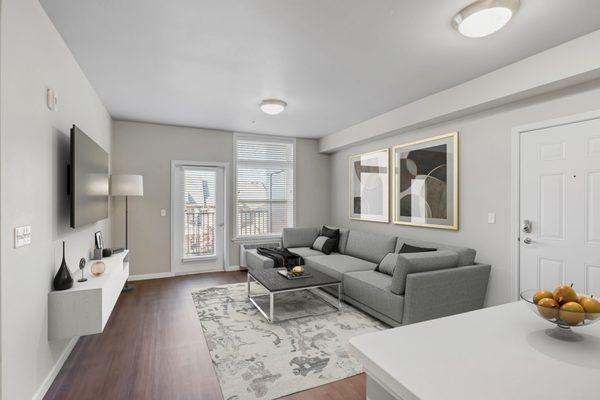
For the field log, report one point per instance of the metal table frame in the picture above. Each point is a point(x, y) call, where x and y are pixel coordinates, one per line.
point(271, 315)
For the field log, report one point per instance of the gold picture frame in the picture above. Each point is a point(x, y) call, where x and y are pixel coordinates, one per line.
point(442, 213)
point(369, 203)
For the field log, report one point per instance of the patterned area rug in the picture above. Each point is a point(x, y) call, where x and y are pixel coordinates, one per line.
point(255, 359)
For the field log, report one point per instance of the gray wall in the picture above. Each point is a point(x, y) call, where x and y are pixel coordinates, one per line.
point(484, 178)
point(34, 146)
point(148, 149)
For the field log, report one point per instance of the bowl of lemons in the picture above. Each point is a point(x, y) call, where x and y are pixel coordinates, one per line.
point(563, 306)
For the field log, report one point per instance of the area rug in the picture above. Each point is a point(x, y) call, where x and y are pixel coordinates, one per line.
point(255, 359)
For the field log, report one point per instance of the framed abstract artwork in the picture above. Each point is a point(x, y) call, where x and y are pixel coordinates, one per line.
point(425, 182)
point(369, 186)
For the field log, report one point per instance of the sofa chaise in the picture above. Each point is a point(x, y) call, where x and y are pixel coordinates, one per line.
point(416, 287)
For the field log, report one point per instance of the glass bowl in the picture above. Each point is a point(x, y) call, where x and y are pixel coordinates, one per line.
point(561, 318)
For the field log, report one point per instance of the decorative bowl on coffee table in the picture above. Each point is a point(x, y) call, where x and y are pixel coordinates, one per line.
point(563, 318)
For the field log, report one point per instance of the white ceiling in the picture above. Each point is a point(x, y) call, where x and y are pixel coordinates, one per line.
point(336, 63)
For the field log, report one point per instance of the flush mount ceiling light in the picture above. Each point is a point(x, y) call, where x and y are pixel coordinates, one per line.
point(484, 17)
point(272, 106)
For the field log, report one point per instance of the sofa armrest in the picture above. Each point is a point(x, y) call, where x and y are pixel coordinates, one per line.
point(299, 237)
point(445, 292)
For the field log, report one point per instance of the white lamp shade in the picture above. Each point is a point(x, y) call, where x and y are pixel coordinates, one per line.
point(126, 185)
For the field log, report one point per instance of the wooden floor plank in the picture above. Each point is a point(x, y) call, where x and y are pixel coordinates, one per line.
point(153, 348)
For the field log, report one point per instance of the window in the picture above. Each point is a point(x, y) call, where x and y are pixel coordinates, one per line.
point(265, 185)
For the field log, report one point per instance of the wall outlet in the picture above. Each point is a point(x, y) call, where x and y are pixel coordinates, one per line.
point(163, 213)
point(491, 218)
point(22, 236)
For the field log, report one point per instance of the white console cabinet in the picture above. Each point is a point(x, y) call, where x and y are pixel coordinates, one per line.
point(85, 308)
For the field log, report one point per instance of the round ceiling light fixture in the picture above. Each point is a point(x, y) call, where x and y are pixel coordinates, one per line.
point(272, 106)
point(484, 17)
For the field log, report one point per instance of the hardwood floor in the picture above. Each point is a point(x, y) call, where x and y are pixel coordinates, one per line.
point(153, 348)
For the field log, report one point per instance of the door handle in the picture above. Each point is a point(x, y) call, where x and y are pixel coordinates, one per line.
point(528, 241)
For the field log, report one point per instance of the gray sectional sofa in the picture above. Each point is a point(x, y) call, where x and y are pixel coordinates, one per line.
point(417, 286)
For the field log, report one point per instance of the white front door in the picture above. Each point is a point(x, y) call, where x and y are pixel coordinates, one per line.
point(560, 207)
point(197, 218)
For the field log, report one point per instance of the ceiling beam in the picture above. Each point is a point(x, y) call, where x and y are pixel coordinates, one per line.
point(568, 64)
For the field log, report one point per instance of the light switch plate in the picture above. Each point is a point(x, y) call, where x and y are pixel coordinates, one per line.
point(51, 99)
point(22, 236)
point(491, 218)
point(163, 213)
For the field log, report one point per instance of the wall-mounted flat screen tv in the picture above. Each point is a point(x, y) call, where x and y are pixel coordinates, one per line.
point(88, 180)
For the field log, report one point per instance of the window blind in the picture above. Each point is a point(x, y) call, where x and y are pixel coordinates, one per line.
point(264, 186)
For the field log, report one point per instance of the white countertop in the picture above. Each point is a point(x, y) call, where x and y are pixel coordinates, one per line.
point(500, 352)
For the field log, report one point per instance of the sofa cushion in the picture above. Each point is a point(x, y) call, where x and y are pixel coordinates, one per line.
point(336, 265)
point(411, 263)
point(388, 264)
point(373, 290)
point(256, 261)
point(299, 237)
point(343, 238)
point(466, 256)
point(370, 246)
point(305, 251)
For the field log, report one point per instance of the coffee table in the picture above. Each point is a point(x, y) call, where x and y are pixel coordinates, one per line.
point(275, 283)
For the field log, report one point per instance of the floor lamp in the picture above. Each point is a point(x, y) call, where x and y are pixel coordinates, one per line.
point(127, 185)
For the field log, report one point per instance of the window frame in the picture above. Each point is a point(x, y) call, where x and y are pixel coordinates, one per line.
point(262, 138)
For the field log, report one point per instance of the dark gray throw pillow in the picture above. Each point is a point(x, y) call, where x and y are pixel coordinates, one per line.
point(407, 248)
point(324, 244)
point(331, 233)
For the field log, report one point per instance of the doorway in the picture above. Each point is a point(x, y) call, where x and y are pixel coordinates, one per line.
point(198, 217)
point(557, 220)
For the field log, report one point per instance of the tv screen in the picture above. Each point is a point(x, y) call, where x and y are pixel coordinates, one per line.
point(88, 178)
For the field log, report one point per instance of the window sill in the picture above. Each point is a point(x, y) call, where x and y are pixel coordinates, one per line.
point(198, 258)
point(256, 239)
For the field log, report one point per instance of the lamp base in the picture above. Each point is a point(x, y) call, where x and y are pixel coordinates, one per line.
point(128, 287)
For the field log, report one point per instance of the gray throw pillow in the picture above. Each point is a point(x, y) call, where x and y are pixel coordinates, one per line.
point(324, 244)
point(388, 264)
point(411, 263)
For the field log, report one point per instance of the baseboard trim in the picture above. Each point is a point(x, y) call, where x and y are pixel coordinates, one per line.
point(162, 275)
point(143, 277)
point(43, 389)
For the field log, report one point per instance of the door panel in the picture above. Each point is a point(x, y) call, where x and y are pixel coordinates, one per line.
point(592, 279)
point(594, 146)
point(552, 206)
point(560, 195)
point(593, 208)
point(550, 273)
point(552, 151)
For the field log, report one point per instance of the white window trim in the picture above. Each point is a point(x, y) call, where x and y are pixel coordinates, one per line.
point(226, 207)
point(250, 136)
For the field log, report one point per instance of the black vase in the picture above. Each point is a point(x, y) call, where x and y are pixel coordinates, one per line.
point(63, 279)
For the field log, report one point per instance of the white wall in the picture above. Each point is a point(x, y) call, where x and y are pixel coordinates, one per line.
point(147, 149)
point(34, 146)
point(566, 65)
point(484, 177)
